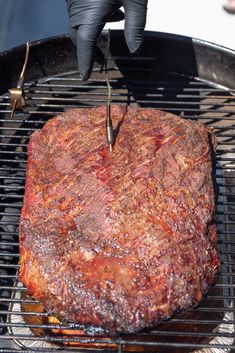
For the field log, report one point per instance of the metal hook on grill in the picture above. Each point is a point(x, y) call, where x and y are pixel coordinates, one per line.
point(104, 45)
point(17, 96)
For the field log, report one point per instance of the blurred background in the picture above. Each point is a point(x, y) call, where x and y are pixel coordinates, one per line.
point(28, 20)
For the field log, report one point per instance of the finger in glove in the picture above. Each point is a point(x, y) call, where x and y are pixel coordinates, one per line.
point(88, 18)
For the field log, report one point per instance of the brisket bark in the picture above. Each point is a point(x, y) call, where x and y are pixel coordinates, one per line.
point(119, 240)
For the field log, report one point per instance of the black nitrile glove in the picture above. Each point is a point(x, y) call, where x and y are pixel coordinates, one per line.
point(87, 18)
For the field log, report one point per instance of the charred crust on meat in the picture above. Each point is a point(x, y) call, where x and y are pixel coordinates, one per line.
point(119, 241)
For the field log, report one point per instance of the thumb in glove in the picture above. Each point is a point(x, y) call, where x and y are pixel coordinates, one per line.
point(87, 18)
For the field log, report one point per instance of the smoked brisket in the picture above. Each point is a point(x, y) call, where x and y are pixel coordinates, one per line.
point(119, 240)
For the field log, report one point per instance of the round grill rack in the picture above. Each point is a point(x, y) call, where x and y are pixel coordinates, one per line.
point(193, 79)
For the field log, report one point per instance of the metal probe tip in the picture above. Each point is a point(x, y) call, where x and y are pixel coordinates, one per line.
point(13, 108)
point(109, 130)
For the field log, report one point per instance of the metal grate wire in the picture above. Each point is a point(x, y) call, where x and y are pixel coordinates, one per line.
point(208, 328)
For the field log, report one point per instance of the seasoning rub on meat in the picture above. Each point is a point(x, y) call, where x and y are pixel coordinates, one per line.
point(119, 240)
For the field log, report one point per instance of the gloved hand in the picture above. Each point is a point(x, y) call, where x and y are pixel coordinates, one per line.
point(87, 18)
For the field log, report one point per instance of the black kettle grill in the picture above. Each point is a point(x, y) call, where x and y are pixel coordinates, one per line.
point(191, 78)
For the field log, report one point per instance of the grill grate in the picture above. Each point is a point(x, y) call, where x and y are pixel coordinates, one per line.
point(208, 328)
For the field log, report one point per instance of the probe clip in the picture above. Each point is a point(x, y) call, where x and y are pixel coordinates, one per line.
point(17, 95)
point(104, 45)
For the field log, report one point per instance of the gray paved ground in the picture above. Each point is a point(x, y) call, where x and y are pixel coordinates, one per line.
point(203, 19)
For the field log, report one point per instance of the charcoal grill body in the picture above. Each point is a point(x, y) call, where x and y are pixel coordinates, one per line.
point(185, 76)
point(173, 53)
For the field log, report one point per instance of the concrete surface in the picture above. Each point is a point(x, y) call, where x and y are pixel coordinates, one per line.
point(203, 19)
point(27, 20)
